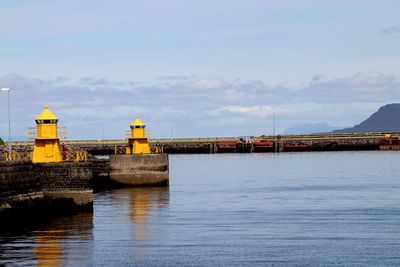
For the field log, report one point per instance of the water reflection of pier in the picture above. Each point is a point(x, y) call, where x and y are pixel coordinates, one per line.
point(56, 241)
point(53, 243)
point(146, 206)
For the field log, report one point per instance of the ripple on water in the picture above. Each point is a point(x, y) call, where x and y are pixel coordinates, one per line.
point(338, 208)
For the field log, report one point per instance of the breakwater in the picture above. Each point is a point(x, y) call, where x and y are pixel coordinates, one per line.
point(24, 184)
point(69, 185)
point(131, 171)
point(279, 143)
point(143, 170)
point(234, 145)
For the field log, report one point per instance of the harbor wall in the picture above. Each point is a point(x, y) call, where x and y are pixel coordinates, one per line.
point(140, 170)
point(67, 181)
point(19, 186)
point(213, 145)
point(37, 190)
point(24, 184)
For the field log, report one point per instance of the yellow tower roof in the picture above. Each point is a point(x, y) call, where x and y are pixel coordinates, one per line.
point(137, 122)
point(46, 115)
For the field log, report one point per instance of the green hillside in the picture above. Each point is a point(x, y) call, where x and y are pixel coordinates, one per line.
point(1, 141)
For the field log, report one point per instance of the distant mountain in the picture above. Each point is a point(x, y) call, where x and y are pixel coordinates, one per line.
point(386, 119)
point(308, 128)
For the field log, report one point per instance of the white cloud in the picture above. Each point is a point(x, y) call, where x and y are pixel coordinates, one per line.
point(361, 87)
point(203, 107)
point(260, 111)
point(370, 80)
point(208, 84)
point(103, 112)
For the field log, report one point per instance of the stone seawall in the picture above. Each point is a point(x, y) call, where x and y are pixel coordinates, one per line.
point(101, 173)
point(66, 180)
point(18, 184)
point(24, 184)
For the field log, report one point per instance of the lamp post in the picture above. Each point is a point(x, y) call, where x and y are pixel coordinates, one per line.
point(9, 122)
point(273, 123)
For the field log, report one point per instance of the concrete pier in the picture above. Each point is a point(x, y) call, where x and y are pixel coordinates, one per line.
point(140, 170)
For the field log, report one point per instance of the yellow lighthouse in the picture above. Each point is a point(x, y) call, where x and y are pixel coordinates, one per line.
point(47, 144)
point(138, 143)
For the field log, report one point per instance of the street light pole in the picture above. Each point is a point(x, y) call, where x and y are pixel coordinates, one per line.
point(273, 123)
point(9, 122)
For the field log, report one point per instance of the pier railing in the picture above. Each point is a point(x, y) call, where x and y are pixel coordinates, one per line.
point(77, 156)
point(61, 132)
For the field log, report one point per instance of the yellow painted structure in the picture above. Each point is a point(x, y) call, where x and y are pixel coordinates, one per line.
point(138, 142)
point(47, 144)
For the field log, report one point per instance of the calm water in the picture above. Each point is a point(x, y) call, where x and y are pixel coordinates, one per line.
point(224, 210)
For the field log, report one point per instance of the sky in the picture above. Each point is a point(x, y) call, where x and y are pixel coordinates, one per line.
point(196, 68)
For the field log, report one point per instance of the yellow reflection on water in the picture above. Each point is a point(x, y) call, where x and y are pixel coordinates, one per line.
point(141, 203)
point(53, 239)
point(140, 207)
point(48, 250)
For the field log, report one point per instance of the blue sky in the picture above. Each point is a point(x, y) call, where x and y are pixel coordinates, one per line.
point(202, 68)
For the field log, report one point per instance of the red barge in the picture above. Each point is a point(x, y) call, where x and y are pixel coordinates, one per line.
point(389, 143)
point(263, 146)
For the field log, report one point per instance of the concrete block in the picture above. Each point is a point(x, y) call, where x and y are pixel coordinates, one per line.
point(140, 170)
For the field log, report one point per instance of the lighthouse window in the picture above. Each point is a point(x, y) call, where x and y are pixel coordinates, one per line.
point(49, 121)
point(46, 121)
